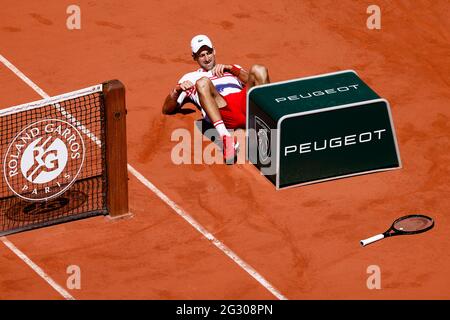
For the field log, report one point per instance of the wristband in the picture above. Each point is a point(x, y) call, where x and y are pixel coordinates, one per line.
point(235, 70)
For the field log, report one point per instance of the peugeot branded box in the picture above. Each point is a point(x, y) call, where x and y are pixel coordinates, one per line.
point(319, 128)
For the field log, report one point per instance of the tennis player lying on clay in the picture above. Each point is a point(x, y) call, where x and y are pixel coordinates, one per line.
point(218, 90)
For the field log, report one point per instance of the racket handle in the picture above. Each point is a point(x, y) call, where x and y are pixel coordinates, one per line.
point(367, 241)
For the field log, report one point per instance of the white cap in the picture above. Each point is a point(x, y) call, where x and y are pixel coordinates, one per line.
point(199, 41)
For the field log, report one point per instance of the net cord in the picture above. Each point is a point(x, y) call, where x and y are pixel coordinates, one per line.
point(56, 102)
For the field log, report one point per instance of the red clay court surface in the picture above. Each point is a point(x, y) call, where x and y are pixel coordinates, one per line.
point(305, 240)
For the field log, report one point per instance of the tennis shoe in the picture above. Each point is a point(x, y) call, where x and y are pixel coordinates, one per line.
point(230, 149)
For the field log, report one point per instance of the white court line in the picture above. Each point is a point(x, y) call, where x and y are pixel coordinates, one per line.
point(222, 247)
point(37, 269)
point(25, 79)
point(8, 243)
point(44, 95)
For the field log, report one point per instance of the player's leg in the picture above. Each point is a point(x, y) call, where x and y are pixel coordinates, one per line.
point(257, 75)
point(234, 113)
point(211, 101)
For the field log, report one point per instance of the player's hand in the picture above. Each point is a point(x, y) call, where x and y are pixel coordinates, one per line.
point(219, 69)
point(186, 85)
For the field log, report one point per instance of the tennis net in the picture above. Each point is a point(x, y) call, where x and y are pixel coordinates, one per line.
point(58, 161)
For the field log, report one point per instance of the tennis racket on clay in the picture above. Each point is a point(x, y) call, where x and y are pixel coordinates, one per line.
point(411, 224)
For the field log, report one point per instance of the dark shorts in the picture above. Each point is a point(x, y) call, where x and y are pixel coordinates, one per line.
point(234, 113)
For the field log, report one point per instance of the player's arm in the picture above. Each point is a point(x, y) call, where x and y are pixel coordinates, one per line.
point(171, 103)
point(235, 70)
point(241, 73)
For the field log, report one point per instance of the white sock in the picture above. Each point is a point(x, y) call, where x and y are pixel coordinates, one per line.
point(220, 127)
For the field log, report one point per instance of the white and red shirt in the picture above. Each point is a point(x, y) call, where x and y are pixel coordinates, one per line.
point(225, 85)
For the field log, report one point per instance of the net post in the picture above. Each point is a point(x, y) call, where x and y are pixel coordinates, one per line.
point(116, 148)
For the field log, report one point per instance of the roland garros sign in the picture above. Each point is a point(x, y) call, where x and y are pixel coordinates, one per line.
point(44, 159)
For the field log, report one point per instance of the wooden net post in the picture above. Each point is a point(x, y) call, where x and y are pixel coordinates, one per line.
point(116, 148)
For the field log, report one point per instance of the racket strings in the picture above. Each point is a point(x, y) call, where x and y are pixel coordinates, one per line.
point(413, 224)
